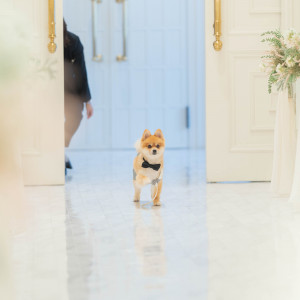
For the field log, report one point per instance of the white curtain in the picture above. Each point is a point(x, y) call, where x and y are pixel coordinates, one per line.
point(295, 193)
point(284, 147)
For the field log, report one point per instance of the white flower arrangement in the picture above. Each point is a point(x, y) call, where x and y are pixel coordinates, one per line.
point(282, 61)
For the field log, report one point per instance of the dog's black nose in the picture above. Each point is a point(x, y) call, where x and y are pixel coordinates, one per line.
point(154, 151)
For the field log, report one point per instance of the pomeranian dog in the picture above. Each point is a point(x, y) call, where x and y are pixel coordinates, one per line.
point(149, 164)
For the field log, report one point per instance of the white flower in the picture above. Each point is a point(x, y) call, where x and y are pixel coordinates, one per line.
point(280, 69)
point(291, 38)
point(290, 33)
point(290, 62)
point(262, 67)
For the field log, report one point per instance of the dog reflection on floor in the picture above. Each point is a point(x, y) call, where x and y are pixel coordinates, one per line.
point(150, 241)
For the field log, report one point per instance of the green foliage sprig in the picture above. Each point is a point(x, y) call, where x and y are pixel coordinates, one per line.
point(282, 60)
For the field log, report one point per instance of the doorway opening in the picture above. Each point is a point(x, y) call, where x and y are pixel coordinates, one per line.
point(160, 85)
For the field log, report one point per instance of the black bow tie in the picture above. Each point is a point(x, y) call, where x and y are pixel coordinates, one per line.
point(146, 165)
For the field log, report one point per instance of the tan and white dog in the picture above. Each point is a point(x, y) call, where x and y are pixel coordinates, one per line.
point(149, 164)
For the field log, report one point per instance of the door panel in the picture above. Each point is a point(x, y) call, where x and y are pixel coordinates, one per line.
point(153, 91)
point(240, 113)
point(41, 94)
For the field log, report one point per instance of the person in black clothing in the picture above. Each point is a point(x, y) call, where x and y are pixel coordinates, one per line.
point(77, 92)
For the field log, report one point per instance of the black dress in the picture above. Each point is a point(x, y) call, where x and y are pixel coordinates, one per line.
point(77, 90)
point(76, 81)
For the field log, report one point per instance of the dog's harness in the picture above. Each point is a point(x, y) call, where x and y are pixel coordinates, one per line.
point(154, 167)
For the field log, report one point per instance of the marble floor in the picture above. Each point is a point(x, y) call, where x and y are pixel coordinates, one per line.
point(88, 240)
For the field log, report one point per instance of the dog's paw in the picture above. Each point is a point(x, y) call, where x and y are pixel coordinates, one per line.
point(136, 200)
point(157, 203)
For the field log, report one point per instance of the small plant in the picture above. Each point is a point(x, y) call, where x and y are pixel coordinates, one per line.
point(282, 61)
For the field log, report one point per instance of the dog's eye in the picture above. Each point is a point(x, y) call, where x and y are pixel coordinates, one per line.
point(157, 146)
point(149, 146)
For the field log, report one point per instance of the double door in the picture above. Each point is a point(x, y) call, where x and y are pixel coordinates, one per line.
point(149, 89)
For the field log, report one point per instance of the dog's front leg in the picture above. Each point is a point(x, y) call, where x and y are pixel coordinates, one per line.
point(155, 193)
point(138, 183)
point(137, 192)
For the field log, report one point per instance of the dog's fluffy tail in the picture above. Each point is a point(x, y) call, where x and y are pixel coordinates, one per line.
point(137, 145)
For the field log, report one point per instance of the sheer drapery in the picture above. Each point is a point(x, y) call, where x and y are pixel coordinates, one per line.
point(284, 147)
point(295, 193)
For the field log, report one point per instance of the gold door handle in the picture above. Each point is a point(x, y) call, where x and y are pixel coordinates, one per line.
point(217, 26)
point(123, 57)
point(51, 23)
point(96, 57)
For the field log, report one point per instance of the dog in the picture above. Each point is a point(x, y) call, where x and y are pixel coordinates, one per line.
point(148, 165)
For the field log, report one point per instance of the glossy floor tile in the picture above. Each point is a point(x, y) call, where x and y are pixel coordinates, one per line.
point(89, 241)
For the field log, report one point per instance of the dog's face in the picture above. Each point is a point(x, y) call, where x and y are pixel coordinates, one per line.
point(153, 145)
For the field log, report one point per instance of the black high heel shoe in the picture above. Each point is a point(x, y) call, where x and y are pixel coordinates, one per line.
point(69, 165)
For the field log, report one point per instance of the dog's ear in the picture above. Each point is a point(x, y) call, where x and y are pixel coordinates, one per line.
point(146, 134)
point(158, 133)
